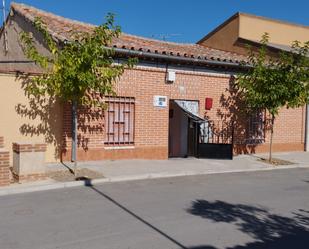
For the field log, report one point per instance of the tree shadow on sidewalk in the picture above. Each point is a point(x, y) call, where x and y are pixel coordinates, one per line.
point(271, 231)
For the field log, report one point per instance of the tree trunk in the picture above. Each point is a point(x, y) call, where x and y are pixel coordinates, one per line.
point(74, 136)
point(271, 137)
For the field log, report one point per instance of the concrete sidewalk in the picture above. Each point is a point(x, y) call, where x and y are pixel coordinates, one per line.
point(125, 170)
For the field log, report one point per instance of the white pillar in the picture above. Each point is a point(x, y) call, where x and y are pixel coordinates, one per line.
point(307, 129)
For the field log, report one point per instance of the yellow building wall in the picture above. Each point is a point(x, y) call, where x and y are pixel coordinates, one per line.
point(252, 28)
point(21, 123)
point(224, 38)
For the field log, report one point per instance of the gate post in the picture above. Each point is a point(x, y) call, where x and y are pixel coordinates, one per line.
point(29, 162)
point(4, 167)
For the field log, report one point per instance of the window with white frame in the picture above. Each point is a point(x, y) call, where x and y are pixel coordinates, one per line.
point(256, 127)
point(119, 121)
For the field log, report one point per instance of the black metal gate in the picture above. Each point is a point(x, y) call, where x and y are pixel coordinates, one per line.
point(215, 140)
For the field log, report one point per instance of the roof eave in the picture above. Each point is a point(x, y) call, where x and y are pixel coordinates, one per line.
point(178, 59)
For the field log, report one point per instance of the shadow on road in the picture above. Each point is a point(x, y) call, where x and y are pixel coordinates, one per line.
point(89, 184)
point(270, 230)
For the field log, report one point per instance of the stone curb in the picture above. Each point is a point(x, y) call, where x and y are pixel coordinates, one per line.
point(4, 191)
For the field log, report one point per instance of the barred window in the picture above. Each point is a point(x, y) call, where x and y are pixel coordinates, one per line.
point(119, 121)
point(256, 126)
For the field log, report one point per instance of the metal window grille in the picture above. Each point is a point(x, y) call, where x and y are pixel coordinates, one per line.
point(256, 133)
point(119, 121)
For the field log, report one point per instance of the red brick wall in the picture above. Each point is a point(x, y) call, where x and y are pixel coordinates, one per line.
point(1, 142)
point(4, 168)
point(25, 147)
point(151, 123)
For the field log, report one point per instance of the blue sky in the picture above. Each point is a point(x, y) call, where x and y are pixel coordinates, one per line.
point(176, 20)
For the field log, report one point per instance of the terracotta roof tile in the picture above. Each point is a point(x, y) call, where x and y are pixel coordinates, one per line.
point(62, 29)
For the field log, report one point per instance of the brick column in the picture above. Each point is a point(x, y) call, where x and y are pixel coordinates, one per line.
point(29, 162)
point(1, 142)
point(4, 167)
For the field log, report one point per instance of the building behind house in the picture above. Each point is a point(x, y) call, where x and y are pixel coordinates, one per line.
point(244, 29)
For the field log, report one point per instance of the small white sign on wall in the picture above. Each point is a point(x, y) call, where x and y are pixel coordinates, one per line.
point(160, 101)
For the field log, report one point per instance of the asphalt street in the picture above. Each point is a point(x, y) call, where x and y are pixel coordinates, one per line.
point(255, 210)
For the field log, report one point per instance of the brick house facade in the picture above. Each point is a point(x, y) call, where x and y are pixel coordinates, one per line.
point(151, 127)
point(132, 126)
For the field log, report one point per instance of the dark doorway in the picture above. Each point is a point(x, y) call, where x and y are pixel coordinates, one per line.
point(178, 131)
point(192, 137)
point(183, 129)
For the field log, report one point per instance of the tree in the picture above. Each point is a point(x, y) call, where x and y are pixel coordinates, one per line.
point(77, 70)
point(273, 82)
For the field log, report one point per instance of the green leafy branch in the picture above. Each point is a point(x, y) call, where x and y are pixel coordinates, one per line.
point(84, 64)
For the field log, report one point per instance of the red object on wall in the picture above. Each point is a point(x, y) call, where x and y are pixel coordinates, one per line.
point(208, 103)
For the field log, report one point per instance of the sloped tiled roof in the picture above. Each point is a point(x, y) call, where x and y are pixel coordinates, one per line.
point(62, 29)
